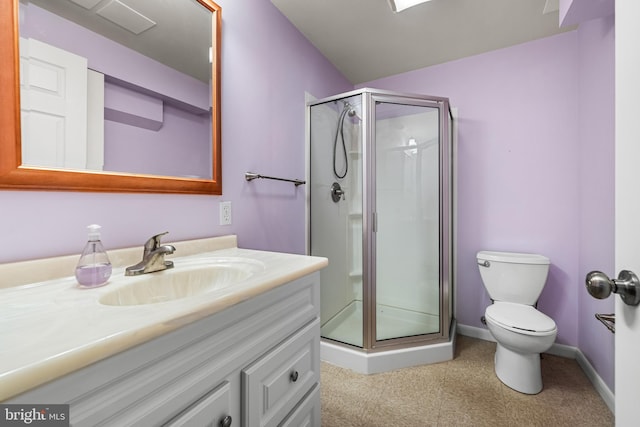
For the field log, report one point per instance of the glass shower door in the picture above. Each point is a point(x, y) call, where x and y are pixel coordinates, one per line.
point(336, 215)
point(407, 219)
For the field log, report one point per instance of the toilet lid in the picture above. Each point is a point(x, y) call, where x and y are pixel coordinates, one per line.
point(519, 316)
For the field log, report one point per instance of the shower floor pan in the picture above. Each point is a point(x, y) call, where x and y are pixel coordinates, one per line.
point(346, 326)
point(392, 322)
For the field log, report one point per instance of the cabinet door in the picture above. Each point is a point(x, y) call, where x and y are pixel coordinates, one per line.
point(212, 410)
point(307, 414)
point(274, 384)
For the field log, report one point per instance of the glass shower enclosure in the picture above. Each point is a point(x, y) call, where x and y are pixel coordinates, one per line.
point(380, 206)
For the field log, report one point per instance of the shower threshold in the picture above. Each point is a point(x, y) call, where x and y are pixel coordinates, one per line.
point(392, 322)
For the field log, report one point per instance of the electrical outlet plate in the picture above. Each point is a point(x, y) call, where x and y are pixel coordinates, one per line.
point(225, 213)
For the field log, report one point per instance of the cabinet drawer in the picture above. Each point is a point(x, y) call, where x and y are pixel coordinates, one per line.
point(274, 384)
point(212, 410)
point(307, 414)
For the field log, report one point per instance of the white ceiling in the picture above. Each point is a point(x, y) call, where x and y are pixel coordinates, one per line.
point(180, 34)
point(365, 40)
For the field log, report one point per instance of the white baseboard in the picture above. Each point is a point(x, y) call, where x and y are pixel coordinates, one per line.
point(601, 387)
point(474, 332)
point(557, 350)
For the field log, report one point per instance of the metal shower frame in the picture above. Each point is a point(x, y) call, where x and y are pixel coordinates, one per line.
point(445, 147)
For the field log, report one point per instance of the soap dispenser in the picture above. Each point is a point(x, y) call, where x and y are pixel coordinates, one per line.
point(94, 267)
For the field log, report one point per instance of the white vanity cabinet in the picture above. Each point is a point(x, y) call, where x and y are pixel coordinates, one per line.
point(255, 363)
point(214, 409)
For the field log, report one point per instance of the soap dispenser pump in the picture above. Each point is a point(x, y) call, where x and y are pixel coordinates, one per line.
point(94, 267)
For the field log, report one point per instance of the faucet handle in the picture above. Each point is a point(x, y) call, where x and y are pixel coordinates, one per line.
point(153, 243)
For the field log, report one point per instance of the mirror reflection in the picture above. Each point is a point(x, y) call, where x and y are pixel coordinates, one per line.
point(117, 86)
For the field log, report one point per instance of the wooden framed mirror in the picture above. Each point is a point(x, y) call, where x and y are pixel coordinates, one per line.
point(16, 175)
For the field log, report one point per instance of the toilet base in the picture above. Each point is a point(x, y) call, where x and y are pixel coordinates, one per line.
point(518, 371)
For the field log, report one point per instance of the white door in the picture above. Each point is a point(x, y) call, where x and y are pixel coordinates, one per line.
point(53, 95)
point(627, 348)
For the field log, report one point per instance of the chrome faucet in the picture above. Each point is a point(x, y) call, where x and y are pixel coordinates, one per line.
point(152, 258)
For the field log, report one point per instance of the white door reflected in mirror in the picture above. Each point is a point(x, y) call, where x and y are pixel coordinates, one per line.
point(58, 93)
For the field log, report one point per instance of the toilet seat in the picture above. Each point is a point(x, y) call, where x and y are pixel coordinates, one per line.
point(520, 318)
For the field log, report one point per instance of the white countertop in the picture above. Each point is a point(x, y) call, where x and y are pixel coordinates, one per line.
point(51, 328)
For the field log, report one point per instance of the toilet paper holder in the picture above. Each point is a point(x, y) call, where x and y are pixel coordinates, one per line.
point(608, 320)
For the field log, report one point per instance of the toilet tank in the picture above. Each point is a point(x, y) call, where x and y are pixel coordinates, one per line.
point(513, 277)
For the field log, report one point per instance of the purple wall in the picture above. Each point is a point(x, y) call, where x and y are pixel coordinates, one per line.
point(596, 159)
point(267, 66)
point(517, 172)
point(264, 128)
point(533, 120)
point(181, 147)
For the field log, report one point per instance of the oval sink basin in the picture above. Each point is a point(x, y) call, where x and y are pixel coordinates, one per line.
point(186, 279)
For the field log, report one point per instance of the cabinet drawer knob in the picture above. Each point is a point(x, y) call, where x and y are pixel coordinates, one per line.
point(294, 376)
point(226, 421)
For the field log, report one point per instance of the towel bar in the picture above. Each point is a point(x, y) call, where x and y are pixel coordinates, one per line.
point(250, 176)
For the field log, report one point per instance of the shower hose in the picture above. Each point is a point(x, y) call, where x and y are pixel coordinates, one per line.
point(340, 133)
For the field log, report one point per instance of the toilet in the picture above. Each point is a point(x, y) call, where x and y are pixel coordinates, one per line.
point(514, 282)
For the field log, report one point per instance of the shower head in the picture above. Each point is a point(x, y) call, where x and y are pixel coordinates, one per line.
point(350, 110)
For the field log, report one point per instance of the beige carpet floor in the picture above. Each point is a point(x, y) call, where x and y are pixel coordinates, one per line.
point(461, 392)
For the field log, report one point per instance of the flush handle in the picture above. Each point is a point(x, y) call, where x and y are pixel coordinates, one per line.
point(627, 285)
